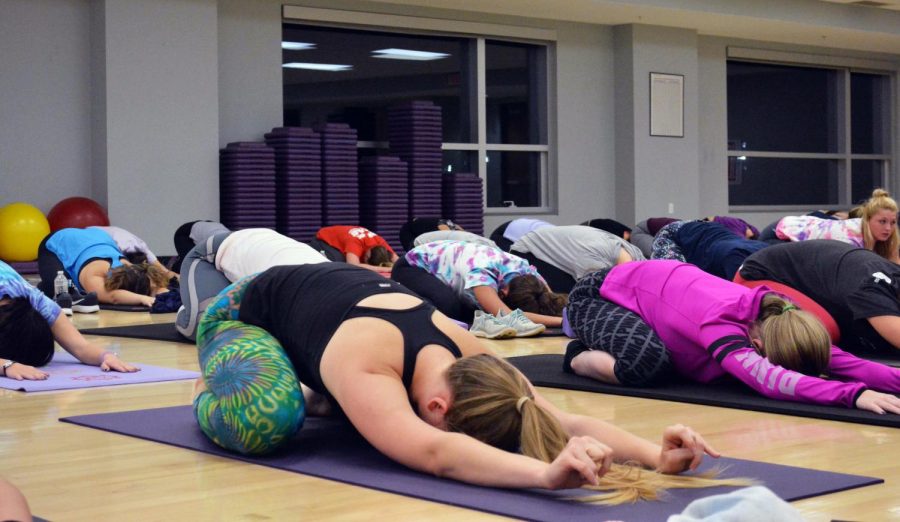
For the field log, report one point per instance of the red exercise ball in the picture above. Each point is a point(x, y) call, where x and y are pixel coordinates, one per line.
point(77, 212)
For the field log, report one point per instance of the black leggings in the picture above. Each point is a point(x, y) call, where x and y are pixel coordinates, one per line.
point(558, 280)
point(641, 357)
point(433, 290)
point(183, 244)
point(418, 226)
point(499, 240)
point(326, 250)
point(48, 266)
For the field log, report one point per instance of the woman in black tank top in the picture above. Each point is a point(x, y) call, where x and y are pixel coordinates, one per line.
point(419, 388)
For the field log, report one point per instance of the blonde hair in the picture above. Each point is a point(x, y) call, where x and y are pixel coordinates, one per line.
point(880, 200)
point(488, 405)
point(140, 279)
point(792, 338)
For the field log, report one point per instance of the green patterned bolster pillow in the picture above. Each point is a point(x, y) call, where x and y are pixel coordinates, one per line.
point(253, 402)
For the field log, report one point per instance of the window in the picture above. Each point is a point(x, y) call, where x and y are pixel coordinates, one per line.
point(805, 135)
point(492, 92)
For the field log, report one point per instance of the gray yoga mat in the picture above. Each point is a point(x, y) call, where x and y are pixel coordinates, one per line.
point(156, 332)
point(546, 370)
point(332, 449)
point(124, 308)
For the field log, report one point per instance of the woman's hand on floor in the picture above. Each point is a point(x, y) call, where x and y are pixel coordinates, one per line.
point(23, 372)
point(878, 402)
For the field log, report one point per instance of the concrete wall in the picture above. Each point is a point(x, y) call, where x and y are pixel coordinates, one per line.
point(45, 101)
point(161, 113)
point(657, 175)
point(250, 102)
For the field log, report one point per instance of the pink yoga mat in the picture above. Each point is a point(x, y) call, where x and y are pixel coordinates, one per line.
point(67, 373)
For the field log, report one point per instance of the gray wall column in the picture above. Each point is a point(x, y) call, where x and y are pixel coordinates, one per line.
point(656, 176)
point(155, 114)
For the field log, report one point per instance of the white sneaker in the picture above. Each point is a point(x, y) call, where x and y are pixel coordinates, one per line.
point(523, 326)
point(487, 326)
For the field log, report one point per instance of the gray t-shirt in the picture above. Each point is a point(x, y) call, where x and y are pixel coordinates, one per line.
point(127, 242)
point(452, 235)
point(201, 230)
point(577, 250)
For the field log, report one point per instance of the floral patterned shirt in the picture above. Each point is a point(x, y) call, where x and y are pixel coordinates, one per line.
point(802, 228)
point(464, 265)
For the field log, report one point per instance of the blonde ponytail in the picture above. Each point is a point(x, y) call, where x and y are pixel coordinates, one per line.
point(493, 403)
point(792, 338)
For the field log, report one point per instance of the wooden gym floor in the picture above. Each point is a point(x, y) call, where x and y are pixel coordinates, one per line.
point(70, 473)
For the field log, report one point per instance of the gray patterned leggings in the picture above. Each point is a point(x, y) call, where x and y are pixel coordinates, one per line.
point(641, 357)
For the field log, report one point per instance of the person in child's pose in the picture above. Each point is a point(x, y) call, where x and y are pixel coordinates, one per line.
point(459, 277)
point(421, 390)
point(94, 263)
point(30, 322)
point(639, 322)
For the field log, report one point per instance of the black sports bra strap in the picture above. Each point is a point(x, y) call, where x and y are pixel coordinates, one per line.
point(417, 328)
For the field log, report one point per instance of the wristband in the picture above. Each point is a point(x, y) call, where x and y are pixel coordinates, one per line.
point(6, 365)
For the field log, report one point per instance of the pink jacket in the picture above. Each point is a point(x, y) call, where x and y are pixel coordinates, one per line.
point(704, 323)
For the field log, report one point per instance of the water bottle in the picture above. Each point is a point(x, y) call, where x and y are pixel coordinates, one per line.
point(60, 284)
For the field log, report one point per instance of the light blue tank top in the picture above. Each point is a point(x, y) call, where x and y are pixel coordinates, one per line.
point(76, 246)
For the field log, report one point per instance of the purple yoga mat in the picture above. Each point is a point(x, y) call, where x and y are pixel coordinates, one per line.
point(331, 449)
point(67, 373)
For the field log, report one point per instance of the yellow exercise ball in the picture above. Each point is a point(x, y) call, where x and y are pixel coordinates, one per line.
point(22, 228)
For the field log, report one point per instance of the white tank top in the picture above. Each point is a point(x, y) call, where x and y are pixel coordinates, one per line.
point(246, 252)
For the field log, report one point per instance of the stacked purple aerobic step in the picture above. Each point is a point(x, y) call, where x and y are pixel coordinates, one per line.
point(464, 201)
point(298, 181)
point(384, 201)
point(24, 267)
point(340, 175)
point(415, 134)
point(247, 185)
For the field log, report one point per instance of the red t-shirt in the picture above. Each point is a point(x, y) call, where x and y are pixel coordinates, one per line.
point(351, 239)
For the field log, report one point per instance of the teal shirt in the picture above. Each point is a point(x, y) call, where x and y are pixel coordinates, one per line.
point(76, 246)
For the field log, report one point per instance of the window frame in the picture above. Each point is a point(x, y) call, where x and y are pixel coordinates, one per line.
point(480, 32)
point(845, 67)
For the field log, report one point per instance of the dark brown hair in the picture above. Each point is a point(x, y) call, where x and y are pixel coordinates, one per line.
point(140, 279)
point(136, 258)
point(530, 294)
point(25, 335)
point(379, 256)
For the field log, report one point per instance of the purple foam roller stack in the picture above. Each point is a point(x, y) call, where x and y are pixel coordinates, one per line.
point(415, 133)
point(384, 201)
point(298, 180)
point(464, 201)
point(340, 174)
point(247, 185)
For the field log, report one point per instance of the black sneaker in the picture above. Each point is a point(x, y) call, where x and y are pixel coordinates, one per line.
point(85, 303)
point(64, 301)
